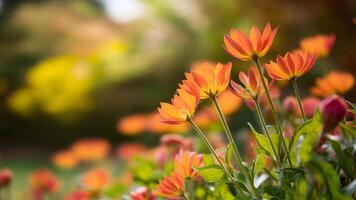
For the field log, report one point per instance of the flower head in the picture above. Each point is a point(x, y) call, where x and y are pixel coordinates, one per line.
point(252, 85)
point(129, 150)
point(142, 193)
point(180, 110)
point(290, 105)
point(5, 178)
point(171, 186)
point(65, 159)
point(132, 124)
point(336, 82)
point(310, 105)
point(44, 181)
point(333, 110)
point(207, 79)
point(78, 195)
point(292, 65)
point(184, 163)
point(246, 47)
point(91, 149)
point(319, 44)
point(95, 179)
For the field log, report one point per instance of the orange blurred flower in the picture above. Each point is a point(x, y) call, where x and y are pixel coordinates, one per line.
point(319, 44)
point(292, 65)
point(132, 124)
point(229, 102)
point(335, 82)
point(184, 163)
point(182, 108)
point(252, 85)
point(65, 159)
point(91, 149)
point(44, 181)
point(95, 179)
point(246, 47)
point(142, 193)
point(5, 178)
point(129, 150)
point(171, 186)
point(155, 125)
point(207, 79)
point(78, 195)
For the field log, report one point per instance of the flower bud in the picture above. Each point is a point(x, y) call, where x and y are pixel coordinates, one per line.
point(5, 178)
point(310, 104)
point(333, 110)
point(290, 105)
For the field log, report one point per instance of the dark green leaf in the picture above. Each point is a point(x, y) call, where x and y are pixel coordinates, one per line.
point(345, 163)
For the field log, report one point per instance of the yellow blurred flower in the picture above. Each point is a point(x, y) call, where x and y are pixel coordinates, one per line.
point(91, 149)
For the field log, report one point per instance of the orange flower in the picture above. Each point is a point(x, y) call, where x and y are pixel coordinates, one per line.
point(171, 186)
point(319, 44)
point(127, 151)
point(252, 85)
point(184, 163)
point(336, 82)
point(207, 79)
point(155, 125)
point(292, 65)
point(132, 124)
point(95, 179)
point(246, 48)
point(229, 102)
point(182, 108)
point(65, 159)
point(44, 181)
point(78, 195)
point(91, 149)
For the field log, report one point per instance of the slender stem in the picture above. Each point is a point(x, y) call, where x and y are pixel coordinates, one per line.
point(185, 196)
point(207, 143)
point(296, 91)
point(191, 189)
point(231, 140)
point(276, 118)
point(264, 125)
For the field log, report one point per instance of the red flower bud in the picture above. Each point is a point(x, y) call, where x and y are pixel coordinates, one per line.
point(333, 110)
point(5, 178)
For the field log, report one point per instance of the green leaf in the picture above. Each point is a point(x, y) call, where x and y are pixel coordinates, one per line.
point(311, 126)
point(345, 163)
point(114, 191)
point(263, 141)
point(229, 154)
point(311, 131)
point(330, 178)
point(349, 128)
point(212, 173)
point(258, 164)
point(208, 159)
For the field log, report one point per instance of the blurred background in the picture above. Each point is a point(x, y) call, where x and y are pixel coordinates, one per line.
point(71, 69)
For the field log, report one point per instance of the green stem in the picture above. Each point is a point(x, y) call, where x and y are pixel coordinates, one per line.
point(275, 116)
point(264, 125)
point(185, 196)
point(296, 91)
point(191, 189)
point(231, 140)
point(207, 143)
